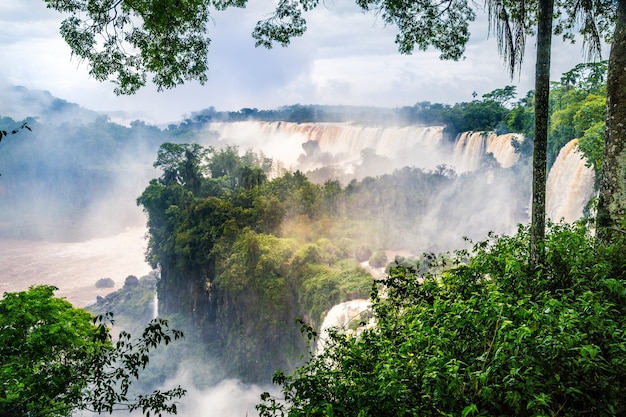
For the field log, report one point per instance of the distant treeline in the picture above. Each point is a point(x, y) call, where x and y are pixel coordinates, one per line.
point(486, 114)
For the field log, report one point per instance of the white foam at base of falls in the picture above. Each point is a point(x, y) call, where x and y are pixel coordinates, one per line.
point(342, 316)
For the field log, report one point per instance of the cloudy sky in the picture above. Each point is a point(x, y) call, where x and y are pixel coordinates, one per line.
point(346, 57)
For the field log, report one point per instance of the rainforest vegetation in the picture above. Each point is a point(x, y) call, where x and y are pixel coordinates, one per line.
point(243, 250)
point(479, 334)
point(57, 359)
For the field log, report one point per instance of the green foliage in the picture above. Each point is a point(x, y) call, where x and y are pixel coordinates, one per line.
point(56, 359)
point(501, 95)
point(483, 335)
point(126, 41)
point(578, 103)
point(43, 342)
point(591, 145)
point(378, 259)
point(134, 302)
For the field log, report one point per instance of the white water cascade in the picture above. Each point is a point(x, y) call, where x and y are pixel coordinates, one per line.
point(342, 316)
point(155, 306)
point(310, 146)
point(570, 184)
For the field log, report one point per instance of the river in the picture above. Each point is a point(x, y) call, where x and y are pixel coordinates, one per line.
point(73, 267)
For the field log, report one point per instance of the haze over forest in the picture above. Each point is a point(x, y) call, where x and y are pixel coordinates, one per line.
point(346, 189)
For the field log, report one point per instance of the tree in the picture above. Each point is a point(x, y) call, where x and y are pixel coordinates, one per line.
point(127, 40)
point(611, 217)
point(56, 359)
point(182, 163)
point(501, 96)
point(542, 116)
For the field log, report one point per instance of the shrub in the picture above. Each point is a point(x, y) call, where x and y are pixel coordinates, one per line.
point(481, 336)
point(378, 259)
point(131, 281)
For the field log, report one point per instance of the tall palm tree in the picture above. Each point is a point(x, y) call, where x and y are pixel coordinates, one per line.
point(540, 149)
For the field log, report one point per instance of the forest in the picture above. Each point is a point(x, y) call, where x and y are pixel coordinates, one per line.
point(241, 253)
point(248, 258)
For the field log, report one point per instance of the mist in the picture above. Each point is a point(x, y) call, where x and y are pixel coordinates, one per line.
point(481, 195)
point(68, 190)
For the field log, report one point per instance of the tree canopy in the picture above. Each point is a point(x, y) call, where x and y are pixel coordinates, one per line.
point(128, 41)
point(56, 359)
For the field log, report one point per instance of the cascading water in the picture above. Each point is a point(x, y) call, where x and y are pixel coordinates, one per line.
point(343, 316)
point(342, 145)
point(155, 306)
point(470, 148)
point(570, 184)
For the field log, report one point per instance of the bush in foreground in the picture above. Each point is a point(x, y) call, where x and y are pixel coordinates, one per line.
point(480, 336)
point(56, 359)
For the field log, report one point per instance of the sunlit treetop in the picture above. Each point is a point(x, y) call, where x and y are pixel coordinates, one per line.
point(127, 40)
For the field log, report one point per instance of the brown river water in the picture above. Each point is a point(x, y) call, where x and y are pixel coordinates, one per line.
point(73, 267)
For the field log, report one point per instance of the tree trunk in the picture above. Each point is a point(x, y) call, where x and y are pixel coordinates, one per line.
point(611, 218)
point(542, 95)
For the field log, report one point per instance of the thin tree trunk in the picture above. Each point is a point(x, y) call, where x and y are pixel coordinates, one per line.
point(542, 95)
point(611, 218)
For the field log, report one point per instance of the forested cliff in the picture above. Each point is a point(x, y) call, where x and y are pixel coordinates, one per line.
point(243, 255)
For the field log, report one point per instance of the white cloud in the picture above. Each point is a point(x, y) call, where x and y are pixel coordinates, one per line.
point(346, 57)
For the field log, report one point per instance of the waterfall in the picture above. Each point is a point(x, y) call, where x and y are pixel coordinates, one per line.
point(501, 146)
point(357, 151)
point(346, 146)
point(155, 306)
point(570, 184)
point(470, 147)
point(343, 316)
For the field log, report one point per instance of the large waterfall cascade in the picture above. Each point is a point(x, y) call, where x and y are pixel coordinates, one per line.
point(343, 145)
point(337, 144)
point(570, 184)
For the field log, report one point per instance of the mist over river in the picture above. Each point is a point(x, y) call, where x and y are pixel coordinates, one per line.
point(73, 267)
